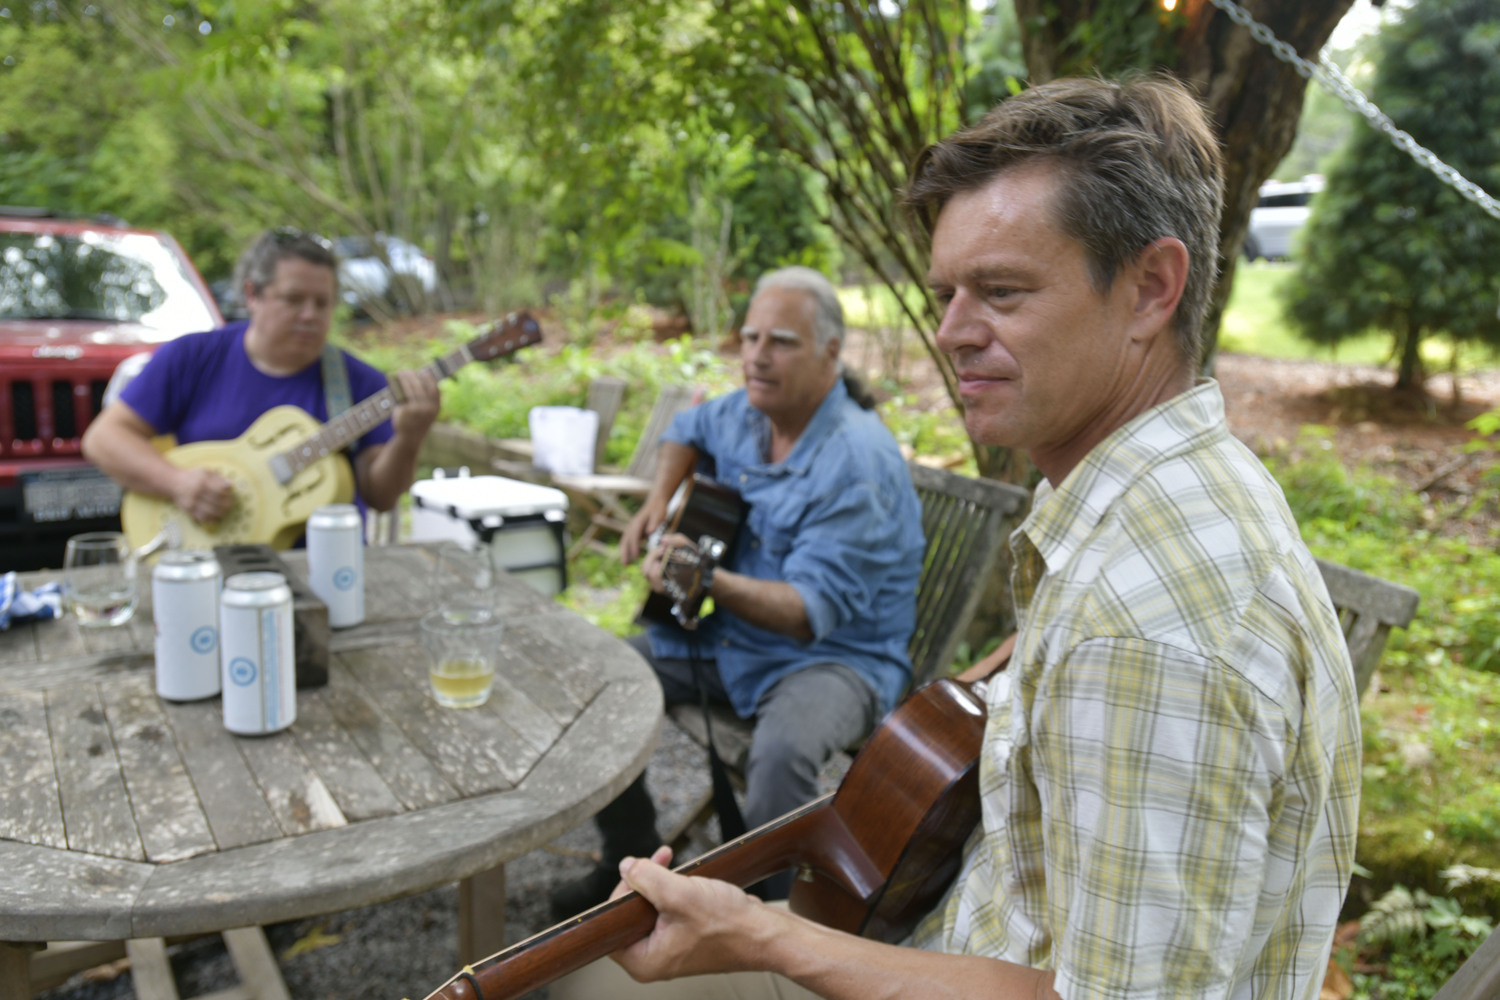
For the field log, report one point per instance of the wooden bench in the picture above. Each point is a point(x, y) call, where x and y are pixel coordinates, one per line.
point(1368, 608)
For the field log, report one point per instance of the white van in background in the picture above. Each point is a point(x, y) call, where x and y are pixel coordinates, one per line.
point(1278, 215)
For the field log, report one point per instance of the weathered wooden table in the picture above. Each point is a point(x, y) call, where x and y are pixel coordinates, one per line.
point(127, 818)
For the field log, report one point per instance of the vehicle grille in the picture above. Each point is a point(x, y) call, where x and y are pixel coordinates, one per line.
point(46, 416)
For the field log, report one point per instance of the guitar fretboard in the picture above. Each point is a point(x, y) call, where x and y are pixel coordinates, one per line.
point(361, 417)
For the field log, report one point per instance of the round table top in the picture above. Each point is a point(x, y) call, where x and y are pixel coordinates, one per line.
point(127, 816)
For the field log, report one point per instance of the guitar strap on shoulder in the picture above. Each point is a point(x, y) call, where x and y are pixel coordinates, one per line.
point(335, 381)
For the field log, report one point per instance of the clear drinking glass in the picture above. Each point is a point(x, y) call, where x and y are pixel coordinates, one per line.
point(99, 573)
point(461, 657)
point(463, 583)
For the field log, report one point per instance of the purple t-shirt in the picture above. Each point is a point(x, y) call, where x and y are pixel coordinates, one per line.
point(202, 387)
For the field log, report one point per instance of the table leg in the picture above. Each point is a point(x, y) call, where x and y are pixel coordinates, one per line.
point(15, 969)
point(481, 915)
point(253, 960)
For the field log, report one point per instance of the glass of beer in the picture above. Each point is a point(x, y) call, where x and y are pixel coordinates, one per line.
point(99, 573)
point(461, 658)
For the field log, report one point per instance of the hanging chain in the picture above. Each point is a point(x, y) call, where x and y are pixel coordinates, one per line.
point(1334, 81)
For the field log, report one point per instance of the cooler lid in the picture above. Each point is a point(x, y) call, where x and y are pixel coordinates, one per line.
point(474, 497)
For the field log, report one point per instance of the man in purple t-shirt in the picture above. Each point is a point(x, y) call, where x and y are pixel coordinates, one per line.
point(212, 386)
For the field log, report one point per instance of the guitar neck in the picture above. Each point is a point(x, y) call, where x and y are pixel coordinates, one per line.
point(360, 418)
point(812, 833)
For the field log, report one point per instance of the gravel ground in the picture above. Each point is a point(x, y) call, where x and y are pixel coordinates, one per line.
point(408, 947)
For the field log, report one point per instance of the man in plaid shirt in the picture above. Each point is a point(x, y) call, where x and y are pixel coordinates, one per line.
point(1171, 764)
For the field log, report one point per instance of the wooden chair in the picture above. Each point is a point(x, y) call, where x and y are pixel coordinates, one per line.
point(1368, 608)
point(602, 495)
point(1479, 977)
point(966, 523)
point(605, 396)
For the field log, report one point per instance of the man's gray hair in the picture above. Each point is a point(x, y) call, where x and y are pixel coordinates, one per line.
point(257, 265)
point(828, 319)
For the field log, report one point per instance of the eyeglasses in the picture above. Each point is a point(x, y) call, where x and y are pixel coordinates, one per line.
point(287, 235)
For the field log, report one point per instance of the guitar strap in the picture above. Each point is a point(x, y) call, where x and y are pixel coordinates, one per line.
point(335, 381)
point(731, 820)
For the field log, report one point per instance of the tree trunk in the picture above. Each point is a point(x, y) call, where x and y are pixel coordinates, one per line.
point(1254, 98)
point(1410, 374)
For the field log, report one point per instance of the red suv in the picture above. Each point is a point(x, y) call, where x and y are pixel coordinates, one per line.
point(77, 298)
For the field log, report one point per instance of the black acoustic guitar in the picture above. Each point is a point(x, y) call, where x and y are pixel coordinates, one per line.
point(872, 858)
point(709, 514)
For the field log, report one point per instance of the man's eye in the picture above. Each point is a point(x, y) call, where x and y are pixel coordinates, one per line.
point(1000, 293)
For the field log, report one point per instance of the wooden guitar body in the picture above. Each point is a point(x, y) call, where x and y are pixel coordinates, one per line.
point(265, 511)
point(872, 858)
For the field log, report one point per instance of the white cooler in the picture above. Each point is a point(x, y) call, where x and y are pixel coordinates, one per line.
point(524, 524)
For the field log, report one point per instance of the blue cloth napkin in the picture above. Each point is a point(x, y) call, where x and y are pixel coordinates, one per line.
point(17, 605)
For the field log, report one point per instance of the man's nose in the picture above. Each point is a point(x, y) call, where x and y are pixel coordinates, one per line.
point(960, 326)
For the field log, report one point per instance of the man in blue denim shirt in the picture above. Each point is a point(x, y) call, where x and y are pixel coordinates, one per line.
point(815, 605)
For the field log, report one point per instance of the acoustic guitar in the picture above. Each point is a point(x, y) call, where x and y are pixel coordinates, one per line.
point(872, 858)
point(709, 514)
point(285, 465)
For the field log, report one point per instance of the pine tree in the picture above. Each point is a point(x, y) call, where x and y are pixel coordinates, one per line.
point(1389, 247)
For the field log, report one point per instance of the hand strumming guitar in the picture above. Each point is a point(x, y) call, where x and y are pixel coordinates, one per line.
point(202, 494)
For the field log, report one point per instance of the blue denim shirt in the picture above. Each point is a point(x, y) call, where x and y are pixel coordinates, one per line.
point(838, 519)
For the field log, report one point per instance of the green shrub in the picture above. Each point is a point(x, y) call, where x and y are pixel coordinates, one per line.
point(1420, 939)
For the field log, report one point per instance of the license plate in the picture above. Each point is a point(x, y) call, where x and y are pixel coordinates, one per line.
point(69, 495)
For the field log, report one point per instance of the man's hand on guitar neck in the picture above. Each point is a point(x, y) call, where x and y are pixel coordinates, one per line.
point(704, 925)
point(417, 402)
point(633, 538)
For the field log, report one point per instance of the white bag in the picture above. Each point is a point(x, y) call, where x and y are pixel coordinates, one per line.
point(562, 439)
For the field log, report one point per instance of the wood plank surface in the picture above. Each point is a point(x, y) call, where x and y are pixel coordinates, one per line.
point(18, 644)
point(168, 815)
point(237, 813)
point(474, 751)
point(539, 643)
point(509, 704)
point(405, 769)
point(376, 790)
point(354, 783)
point(33, 807)
point(95, 807)
point(298, 798)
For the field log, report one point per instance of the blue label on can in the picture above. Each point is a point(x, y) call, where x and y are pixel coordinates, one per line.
point(242, 671)
point(204, 639)
point(343, 578)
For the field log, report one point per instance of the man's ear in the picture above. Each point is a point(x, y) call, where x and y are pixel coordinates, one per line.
point(1158, 277)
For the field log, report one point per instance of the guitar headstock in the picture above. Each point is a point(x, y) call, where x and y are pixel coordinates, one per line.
point(515, 331)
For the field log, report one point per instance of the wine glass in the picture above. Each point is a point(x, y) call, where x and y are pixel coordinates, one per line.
point(99, 573)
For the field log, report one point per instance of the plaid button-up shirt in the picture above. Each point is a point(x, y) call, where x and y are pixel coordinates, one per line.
point(1170, 777)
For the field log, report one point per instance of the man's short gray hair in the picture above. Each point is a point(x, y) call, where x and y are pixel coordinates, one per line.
point(828, 319)
point(257, 265)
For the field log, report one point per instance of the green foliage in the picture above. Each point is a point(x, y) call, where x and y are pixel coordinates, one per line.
point(1371, 523)
point(1389, 247)
point(1421, 938)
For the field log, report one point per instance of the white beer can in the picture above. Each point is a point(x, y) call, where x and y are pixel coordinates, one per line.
point(336, 562)
point(185, 604)
point(259, 665)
